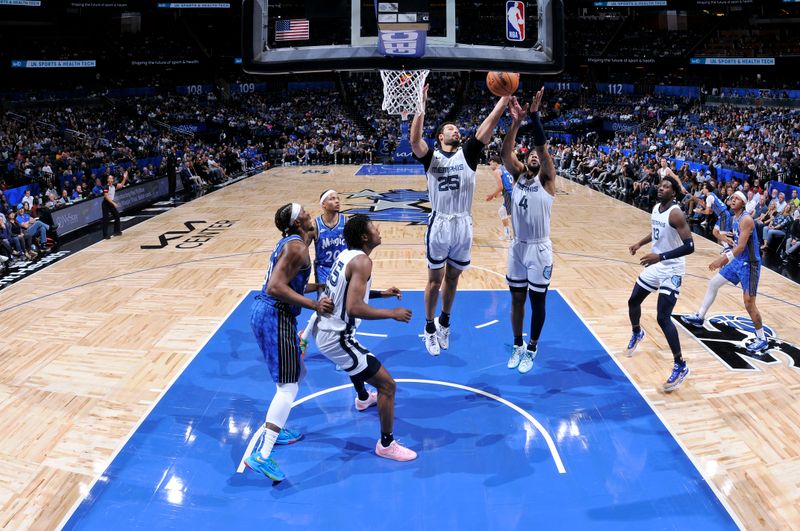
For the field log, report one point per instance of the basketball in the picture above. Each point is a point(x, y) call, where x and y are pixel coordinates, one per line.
point(502, 83)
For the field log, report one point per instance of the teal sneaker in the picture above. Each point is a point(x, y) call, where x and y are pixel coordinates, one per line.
point(268, 467)
point(287, 436)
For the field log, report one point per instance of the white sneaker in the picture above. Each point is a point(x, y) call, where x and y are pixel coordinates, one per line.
point(431, 343)
point(370, 401)
point(516, 356)
point(442, 334)
point(526, 363)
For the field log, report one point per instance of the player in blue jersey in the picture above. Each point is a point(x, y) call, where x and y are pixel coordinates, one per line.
point(328, 243)
point(274, 323)
point(505, 184)
point(716, 205)
point(741, 264)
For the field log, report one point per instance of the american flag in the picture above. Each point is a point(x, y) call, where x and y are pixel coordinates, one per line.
point(295, 29)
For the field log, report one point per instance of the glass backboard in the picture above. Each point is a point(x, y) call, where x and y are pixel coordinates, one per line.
point(283, 36)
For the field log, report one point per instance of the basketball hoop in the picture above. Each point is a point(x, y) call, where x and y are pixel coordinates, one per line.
point(402, 91)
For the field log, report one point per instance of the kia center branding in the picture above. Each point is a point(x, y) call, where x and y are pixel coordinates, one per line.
point(194, 235)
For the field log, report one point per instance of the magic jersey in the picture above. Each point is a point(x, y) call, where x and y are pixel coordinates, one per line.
point(329, 242)
point(298, 283)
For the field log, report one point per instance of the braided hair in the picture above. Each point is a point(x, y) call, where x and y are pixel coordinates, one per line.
point(283, 218)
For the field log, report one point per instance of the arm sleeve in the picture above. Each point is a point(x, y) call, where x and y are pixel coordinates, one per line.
point(375, 294)
point(426, 159)
point(472, 152)
point(683, 250)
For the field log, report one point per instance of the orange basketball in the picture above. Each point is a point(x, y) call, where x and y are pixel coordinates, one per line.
point(502, 83)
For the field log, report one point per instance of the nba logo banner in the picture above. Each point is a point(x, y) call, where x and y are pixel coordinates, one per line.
point(515, 21)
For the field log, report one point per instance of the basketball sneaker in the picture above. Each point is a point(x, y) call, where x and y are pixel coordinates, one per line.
point(679, 374)
point(516, 356)
point(633, 344)
point(268, 466)
point(395, 451)
point(287, 436)
point(694, 320)
point(371, 401)
point(757, 345)
point(431, 343)
point(442, 334)
point(526, 360)
point(303, 344)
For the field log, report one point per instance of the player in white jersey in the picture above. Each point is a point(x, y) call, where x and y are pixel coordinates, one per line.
point(530, 256)
point(665, 267)
point(450, 171)
point(348, 286)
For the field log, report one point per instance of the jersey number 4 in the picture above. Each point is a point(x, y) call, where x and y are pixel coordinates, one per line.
point(449, 182)
point(524, 203)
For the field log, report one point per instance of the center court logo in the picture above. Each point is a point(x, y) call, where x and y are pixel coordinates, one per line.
point(404, 206)
point(725, 336)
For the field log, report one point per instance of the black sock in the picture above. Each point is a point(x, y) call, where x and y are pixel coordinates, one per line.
point(517, 341)
point(360, 388)
point(532, 345)
point(637, 329)
point(679, 359)
point(386, 439)
point(430, 327)
point(444, 319)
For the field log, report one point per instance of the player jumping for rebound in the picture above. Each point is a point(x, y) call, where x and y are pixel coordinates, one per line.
point(450, 171)
point(530, 256)
point(665, 267)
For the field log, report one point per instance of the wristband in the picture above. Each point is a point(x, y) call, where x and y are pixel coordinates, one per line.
point(730, 256)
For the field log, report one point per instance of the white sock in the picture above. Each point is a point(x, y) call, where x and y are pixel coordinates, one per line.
point(269, 441)
point(760, 333)
point(277, 414)
point(716, 282)
point(309, 329)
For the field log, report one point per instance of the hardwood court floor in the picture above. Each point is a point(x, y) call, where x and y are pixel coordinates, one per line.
point(89, 344)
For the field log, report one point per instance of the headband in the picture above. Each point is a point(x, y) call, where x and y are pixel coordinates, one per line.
point(325, 195)
point(740, 195)
point(296, 208)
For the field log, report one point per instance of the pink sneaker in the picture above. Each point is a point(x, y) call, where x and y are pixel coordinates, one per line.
point(371, 401)
point(395, 451)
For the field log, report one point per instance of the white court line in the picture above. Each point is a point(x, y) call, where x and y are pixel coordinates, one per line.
point(370, 334)
point(484, 325)
point(713, 487)
point(85, 493)
point(549, 440)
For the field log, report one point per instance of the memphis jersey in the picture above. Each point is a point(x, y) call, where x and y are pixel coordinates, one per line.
point(751, 252)
point(329, 242)
point(298, 283)
point(530, 210)
point(666, 237)
point(451, 183)
point(336, 288)
point(508, 187)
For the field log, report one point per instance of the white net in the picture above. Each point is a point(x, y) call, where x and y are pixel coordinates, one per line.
point(402, 91)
